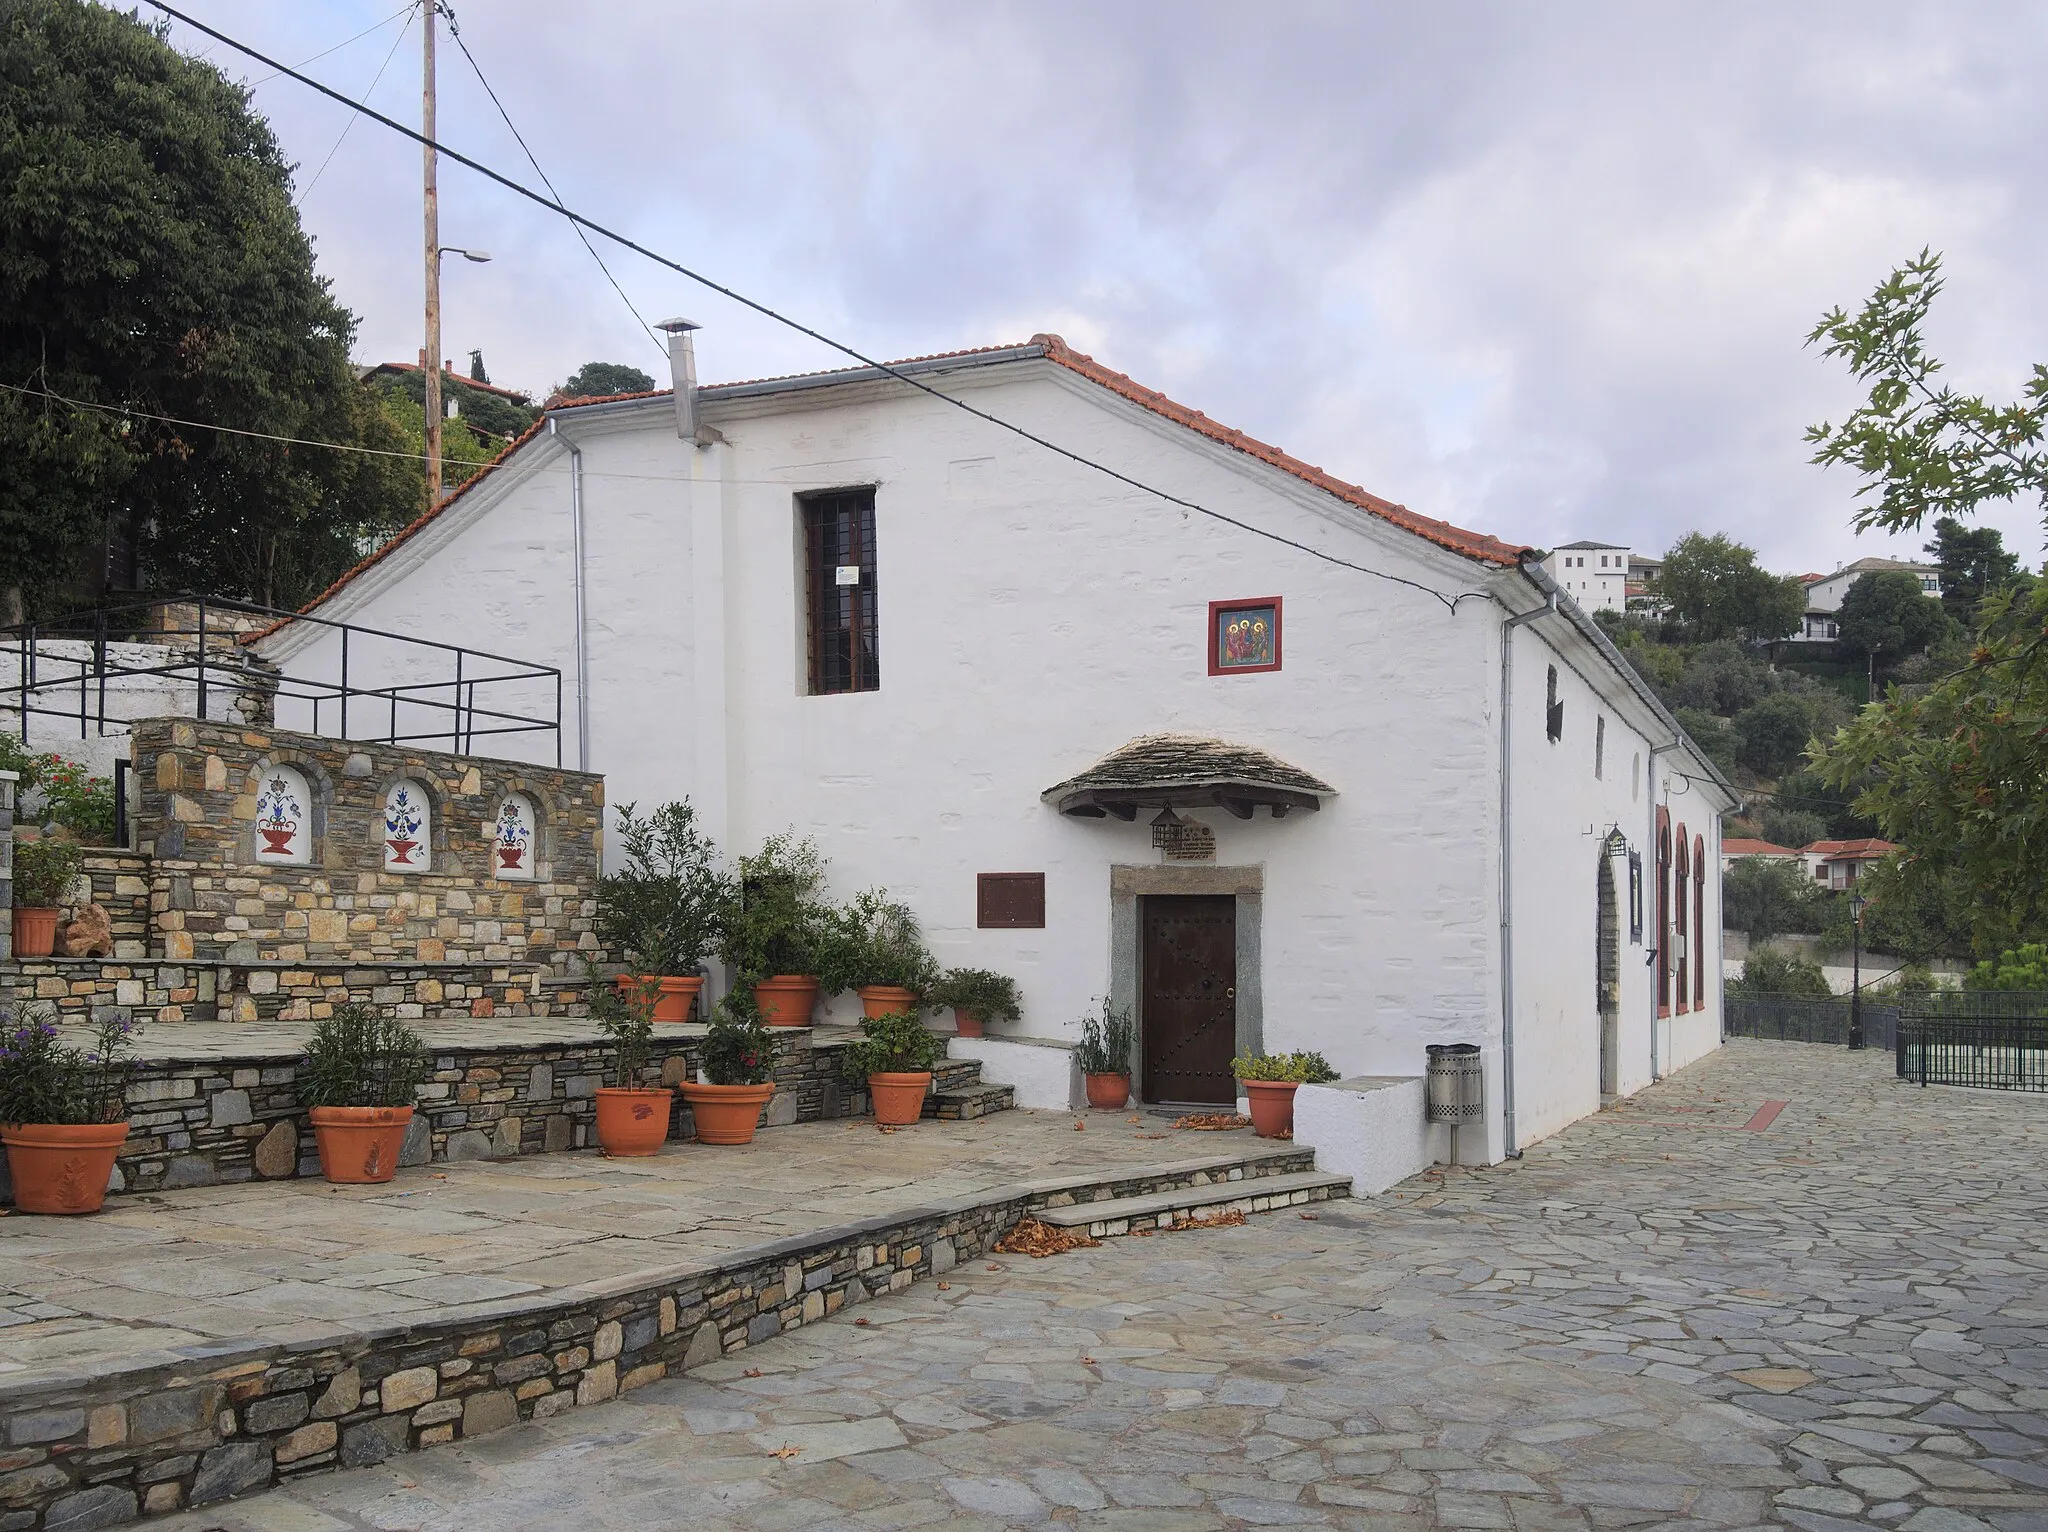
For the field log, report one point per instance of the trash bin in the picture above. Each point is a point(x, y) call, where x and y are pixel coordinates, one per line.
point(1457, 1083)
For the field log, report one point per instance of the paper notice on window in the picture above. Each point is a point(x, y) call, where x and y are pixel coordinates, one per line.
point(846, 574)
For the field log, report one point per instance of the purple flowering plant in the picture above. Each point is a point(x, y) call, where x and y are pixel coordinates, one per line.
point(46, 1081)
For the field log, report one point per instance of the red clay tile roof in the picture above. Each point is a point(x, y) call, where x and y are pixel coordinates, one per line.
point(449, 372)
point(1473, 545)
point(1865, 850)
point(1737, 845)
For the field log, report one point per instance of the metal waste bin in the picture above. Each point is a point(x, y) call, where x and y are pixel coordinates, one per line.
point(1455, 1092)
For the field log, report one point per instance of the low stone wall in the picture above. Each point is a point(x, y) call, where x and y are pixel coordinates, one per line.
point(207, 1122)
point(102, 1450)
point(119, 881)
point(149, 992)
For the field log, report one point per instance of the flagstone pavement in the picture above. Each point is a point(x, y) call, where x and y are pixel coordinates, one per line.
point(1654, 1319)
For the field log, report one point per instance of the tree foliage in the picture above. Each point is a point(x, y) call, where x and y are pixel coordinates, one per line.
point(1770, 896)
point(1886, 616)
point(1771, 972)
point(1973, 563)
point(1716, 588)
point(151, 266)
point(595, 380)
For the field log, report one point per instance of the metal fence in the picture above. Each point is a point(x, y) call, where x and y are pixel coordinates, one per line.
point(1808, 1019)
point(1989, 1039)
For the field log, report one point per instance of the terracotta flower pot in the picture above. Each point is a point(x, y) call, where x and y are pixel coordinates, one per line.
point(359, 1144)
point(633, 1122)
point(35, 932)
point(887, 1000)
point(966, 1023)
point(1272, 1103)
point(62, 1168)
point(727, 1114)
point(1107, 1092)
point(787, 1000)
point(899, 1098)
point(678, 995)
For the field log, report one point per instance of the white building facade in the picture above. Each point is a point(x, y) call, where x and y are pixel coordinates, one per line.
point(1593, 574)
point(1824, 594)
point(980, 674)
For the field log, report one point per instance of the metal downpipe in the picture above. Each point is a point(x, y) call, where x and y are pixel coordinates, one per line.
point(1507, 936)
point(577, 581)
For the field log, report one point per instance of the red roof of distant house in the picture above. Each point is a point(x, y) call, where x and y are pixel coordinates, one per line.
point(449, 372)
point(1736, 845)
point(1473, 545)
point(1868, 849)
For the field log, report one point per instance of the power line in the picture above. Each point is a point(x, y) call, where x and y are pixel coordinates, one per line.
point(366, 31)
point(1450, 602)
point(299, 201)
point(455, 32)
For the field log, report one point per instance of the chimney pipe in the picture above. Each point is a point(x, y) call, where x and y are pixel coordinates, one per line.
point(682, 367)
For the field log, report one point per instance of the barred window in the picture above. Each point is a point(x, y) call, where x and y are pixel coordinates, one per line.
point(839, 576)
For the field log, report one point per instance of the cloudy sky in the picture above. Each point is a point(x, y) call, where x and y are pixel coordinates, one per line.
point(1543, 269)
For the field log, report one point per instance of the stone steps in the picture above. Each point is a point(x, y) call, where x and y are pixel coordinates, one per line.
point(1253, 1194)
point(962, 1103)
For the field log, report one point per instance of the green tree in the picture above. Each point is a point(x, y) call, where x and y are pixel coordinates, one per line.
point(1771, 972)
point(1973, 563)
point(1711, 732)
point(595, 380)
point(1793, 828)
point(1716, 588)
point(152, 266)
point(1771, 735)
point(1768, 896)
point(1886, 616)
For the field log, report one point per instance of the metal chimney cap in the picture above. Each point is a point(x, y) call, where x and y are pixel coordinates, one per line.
point(675, 326)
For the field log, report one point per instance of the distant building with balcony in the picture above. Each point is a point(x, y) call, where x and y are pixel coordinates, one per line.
point(1824, 594)
point(1593, 574)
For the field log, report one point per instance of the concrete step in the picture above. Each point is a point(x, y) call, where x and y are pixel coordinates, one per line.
point(1254, 1194)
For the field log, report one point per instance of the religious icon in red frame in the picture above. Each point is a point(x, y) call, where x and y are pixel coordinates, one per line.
point(1244, 636)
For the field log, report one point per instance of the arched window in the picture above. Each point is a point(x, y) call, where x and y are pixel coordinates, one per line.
point(514, 845)
point(284, 818)
point(1684, 876)
point(1663, 937)
point(1699, 921)
point(408, 828)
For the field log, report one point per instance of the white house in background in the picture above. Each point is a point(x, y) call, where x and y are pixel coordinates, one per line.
point(1739, 848)
point(1101, 740)
point(1824, 594)
point(1593, 574)
point(1836, 864)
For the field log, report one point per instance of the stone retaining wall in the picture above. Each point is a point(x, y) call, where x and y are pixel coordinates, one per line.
point(99, 1451)
point(206, 1123)
point(210, 899)
point(120, 885)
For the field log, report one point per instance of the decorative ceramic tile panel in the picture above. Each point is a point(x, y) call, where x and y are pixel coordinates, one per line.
point(512, 849)
point(408, 828)
point(284, 817)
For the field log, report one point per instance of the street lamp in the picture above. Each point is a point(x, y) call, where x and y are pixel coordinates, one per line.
point(431, 362)
point(479, 256)
point(1857, 905)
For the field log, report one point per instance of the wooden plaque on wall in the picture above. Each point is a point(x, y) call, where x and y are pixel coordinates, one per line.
point(1010, 900)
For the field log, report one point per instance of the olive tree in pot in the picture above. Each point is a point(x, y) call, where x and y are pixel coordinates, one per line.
point(894, 1054)
point(43, 873)
point(775, 925)
point(977, 997)
point(872, 944)
point(361, 1076)
point(1104, 1056)
point(661, 914)
point(63, 1112)
point(738, 1065)
point(632, 1117)
point(1270, 1081)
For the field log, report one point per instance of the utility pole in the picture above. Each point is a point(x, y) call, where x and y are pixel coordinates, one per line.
point(431, 361)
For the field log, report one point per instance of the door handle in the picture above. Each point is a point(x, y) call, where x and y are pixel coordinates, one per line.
point(1230, 993)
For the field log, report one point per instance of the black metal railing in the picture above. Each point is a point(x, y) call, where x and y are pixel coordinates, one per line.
point(1987, 1039)
point(65, 667)
point(1808, 1019)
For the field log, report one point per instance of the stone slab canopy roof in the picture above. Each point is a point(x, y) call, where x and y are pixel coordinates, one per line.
point(1186, 771)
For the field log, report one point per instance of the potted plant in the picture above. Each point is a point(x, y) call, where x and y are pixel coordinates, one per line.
point(873, 945)
point(894, 1054)
point(62, 1110)
point(43, 873)
point(632, 1118)
point(1270, 1081)
point(361, 1075)
point(977, 997)
point(1104, 1056)
point(774, 926)
point(661, 914)
point(738, 1064)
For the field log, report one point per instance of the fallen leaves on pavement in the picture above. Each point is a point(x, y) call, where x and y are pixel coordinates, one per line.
point(1212, 1122)
point(1039, 1240)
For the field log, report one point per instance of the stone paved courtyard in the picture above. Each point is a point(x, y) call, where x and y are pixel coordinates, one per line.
point(1654, 1319)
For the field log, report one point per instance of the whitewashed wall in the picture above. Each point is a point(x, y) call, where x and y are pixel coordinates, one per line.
point(1033, 616)
point(59, 662)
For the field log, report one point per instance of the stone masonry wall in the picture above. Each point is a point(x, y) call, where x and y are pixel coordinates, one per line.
point(210, 899)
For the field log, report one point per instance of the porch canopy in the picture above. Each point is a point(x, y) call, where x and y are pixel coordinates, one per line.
point(1183, 771)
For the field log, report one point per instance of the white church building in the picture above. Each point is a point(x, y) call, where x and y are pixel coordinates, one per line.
point(1275, 762)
